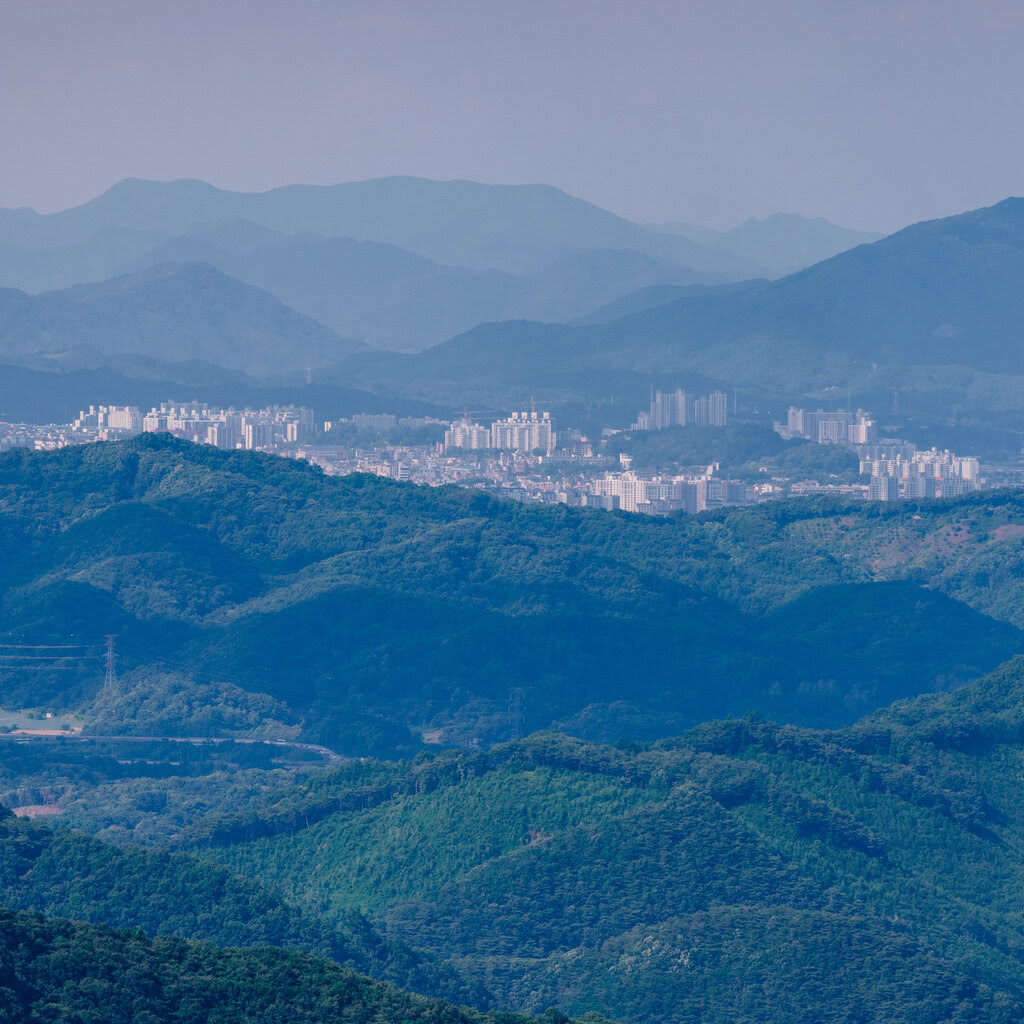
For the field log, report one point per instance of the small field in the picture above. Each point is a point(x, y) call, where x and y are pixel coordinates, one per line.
point(35, 720)
point(37, 811)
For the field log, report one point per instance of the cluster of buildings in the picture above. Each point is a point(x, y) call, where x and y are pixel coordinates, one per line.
point(520, 457)
point(26, 435)
point(896, 468)
point(578, 479)
point(586, 483)
point(839, 427)
point(660, 495)
point(196, 421)
point(679, 409)
point(899, 470)
point(520, 432)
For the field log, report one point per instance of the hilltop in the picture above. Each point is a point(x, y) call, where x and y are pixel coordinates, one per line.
point(175, 311)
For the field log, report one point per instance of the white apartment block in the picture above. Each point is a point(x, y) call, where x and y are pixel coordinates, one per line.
point(678, 409)
point(464, 434)
point(109, 417)
point(658, 495)
point(524, 432)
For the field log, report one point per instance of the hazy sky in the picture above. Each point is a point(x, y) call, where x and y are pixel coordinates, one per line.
point(872, 114)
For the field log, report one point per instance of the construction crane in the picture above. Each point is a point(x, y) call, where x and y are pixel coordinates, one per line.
point(466, 413)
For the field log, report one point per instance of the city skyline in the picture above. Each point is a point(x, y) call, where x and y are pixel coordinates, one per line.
point(523, 457)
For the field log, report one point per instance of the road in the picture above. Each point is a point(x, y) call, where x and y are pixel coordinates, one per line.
point(42, 735)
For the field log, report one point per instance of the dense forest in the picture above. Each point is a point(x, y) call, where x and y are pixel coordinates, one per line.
point(252, 593)
point(743, 871)
point(65, 874)
point(720, 814)
point(68, 972)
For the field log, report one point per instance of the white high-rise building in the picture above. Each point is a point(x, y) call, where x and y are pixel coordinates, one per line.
point(884, 488)
point(524, 432)
point(256, 434)
point(718, 409)
point(111, 417)
point(467, 435)
point(678, 409)
point(862, 430)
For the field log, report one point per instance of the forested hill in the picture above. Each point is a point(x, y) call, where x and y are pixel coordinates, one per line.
point(65, 874)
point(60, 971)
point(377, 614)
point(744, 872)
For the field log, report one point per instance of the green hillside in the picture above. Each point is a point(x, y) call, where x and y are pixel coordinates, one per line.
point(63, 971)
point(64, 874)
point(374, 615)
point(743, 872)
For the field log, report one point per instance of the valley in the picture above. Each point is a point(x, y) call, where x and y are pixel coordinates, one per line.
point(511, 513)
point(513, 760)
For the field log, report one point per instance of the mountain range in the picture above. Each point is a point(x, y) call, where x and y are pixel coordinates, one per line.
point(782, 243)
point(935, 311)
point(400, 262)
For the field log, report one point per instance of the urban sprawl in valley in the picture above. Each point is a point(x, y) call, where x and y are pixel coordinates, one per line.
point(522, 456)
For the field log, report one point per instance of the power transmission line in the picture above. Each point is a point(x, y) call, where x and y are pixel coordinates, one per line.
point(515, 712)
point(46, 657)
point(110, 682)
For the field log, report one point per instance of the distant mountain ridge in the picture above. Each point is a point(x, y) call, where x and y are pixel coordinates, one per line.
point(936, 309)
point(782, 242)
point(401, 262)
point(397, 298)
point(462, 223)
point(181, 311)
